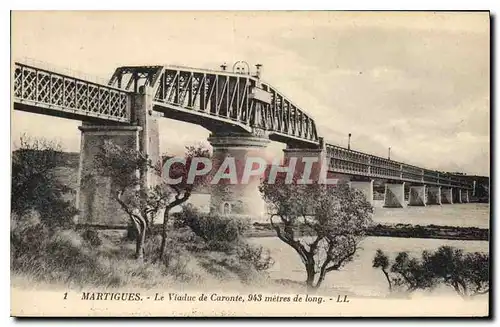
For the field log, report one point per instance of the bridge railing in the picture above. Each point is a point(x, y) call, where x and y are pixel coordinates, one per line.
point(352, 162)
point(32, 62)
point(47, 89)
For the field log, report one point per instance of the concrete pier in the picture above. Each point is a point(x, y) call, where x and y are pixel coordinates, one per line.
point(95, 196)
point(465, 196)
point(457, 196)
point(237, 198)
point(95, 193)
point(366, 187)
point(434, 195)
point(418, 196)
point(447, 195)
point(394, 195)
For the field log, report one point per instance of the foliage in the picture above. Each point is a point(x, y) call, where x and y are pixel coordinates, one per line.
point(467, 274)
point(225, 234)
point(219, 232)
point(127, 169)
point(92, 237)
point(336, 215)
point(63, 256)
point(260, 259)
point(35, 186)
point(382, 261)
point(411, 273)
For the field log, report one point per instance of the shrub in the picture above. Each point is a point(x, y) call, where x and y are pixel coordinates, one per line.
point(219, 232)
point(467, 274)
point(92, 237)
point(256, 256)
point(225, 234)
point(35, 185)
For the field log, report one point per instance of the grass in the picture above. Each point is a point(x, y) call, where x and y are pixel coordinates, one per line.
point(64, 257)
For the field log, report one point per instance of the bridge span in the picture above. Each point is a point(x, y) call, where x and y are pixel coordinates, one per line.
point(240, 110)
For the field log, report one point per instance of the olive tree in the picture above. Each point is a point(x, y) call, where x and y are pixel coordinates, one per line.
point(35, 184)
point(322, 223)
point(127, 168)
point(466, 273)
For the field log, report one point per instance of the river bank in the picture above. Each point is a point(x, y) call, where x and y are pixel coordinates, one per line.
point(400, 230)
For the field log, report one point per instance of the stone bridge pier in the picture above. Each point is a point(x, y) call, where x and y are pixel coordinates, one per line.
point(418, 195)
point(95, 197)
point(464, 196)
point(447, 195)
point(434, 195)
point(394, 196)
point(365, 186)
point(243, 153)
point(457, 195)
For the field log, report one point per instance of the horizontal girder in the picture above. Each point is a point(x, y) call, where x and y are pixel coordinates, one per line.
point(43, 91)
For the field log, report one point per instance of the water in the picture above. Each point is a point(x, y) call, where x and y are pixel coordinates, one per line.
point(464, 215)
point(358, 276)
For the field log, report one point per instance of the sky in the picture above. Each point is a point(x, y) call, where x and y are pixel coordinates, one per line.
point(415, 82)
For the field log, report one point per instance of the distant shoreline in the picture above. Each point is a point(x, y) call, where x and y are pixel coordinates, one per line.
point(403, 231)
point(383, 230)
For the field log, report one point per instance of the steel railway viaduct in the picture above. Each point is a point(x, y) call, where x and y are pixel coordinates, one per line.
point(242, 112)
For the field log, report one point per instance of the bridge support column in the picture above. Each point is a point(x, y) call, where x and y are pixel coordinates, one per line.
point(95, 196)
point(313, 163)
point(95, 193)
point(457, 196)
point(301, 171)
point(366, 187)
point(417, 196)
point(434, 195)
point(237, 198)
point(447, 195)
point(394, 195)
point(465, 196)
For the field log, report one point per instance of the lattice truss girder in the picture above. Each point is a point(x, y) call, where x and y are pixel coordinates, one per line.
point(45, 89)
point(282, 116)
point(220, 94)
point(347, 161)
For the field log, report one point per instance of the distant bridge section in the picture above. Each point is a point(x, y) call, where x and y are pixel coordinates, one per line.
point(356, 163)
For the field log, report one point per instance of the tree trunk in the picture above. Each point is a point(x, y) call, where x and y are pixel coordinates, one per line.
point(139, 245)
point(164, 233)
point(320, 279)
point(310, 275)
point(388, 279)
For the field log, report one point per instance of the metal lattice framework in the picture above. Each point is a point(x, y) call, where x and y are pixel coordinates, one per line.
point(351, 162)
point(213, 99)
point(220, 97)
point(41, 90)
